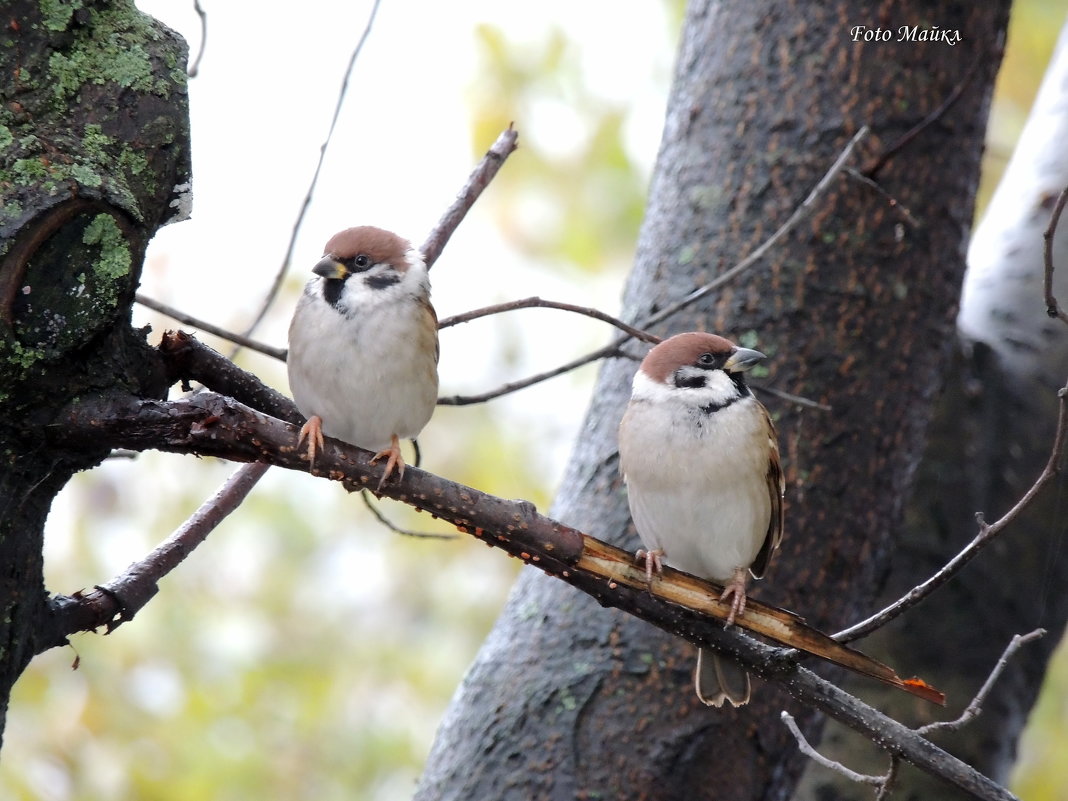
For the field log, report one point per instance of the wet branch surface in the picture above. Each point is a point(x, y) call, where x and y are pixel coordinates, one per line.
point(208, 424)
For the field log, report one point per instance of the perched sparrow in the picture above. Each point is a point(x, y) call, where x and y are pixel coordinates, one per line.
point(699, 455)
point(363, 346)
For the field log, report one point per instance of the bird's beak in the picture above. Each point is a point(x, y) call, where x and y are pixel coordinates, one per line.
point(331, 268)
point(742, 359)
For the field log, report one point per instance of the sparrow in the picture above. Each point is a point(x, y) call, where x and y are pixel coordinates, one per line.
point(700, 459)
point(363, 346)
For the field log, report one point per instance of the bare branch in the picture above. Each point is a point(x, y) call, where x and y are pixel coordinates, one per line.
point(976, 706)
point(680, 604)
point(479, 179)
point(116, 602)
point(372, 507)
point(987, 533)
point(807, 749)
point(803, 210)
point(539, 303)
point(874, 170)
point(204, 325)
point(276, 285)
point(188, 359)
point(893, 202)
point(529, 381)
point(194, 68)
point(789, 397)
point(1053, 308)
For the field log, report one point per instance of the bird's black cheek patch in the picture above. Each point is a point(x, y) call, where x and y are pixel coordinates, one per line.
point(684, 381)
point(382, 280)
point(332, 290)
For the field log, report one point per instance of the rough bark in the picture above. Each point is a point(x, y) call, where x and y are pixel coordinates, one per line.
point(990, 438)
point(93, 150)
point(856, 310)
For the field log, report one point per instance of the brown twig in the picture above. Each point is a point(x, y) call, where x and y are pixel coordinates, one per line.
point(789, 397)
point(885, 782)
point(539, 303)
point(893, 202)
point(116, 602)
point(976, 706)
point(873, 171)
point(529, 381)
point(381, 518)
point(204, 325)
point(479, 179)
point(276, 285)
point(188, 359)
point(1053, 308)
point(987, 533)
point(808, 750)
point(803, 210)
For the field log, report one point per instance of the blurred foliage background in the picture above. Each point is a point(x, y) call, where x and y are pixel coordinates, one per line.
point(305, 651)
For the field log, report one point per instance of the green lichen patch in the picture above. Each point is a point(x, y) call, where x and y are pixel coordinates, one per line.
point(72, 286)
point(56, 14)
point(114, 261)
point(112, 49)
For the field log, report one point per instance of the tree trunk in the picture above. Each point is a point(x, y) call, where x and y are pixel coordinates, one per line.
point(991, 436)
point(855, 309)
point(94, 143)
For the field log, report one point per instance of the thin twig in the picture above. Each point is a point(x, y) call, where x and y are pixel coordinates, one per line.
point(873, 171)
point(539, 303)
point(194, 68)
point(204, 325)
point(807, 749)
point(288, 258)
point(612, 349)
point(381, 518)
point(1053, 308)
point(976, 706)
point(515, 386)
point(883, 792)
point(791, 398)
point(121, 598)
point(987, 533)
point(890, 199)
point(803, 210)
point(479, 179)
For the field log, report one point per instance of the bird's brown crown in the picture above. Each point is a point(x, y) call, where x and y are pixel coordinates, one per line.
point(680, 350)
point(379, 244)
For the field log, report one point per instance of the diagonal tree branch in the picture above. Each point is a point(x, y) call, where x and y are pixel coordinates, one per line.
point(479, 179)
point(207, 424)
point(988, 532)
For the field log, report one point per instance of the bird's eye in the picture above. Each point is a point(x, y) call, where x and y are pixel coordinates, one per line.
point(363, 261)
point(706, 360)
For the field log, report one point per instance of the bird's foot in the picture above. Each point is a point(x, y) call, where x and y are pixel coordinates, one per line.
point(735, 591)
point(393, 457)
point(652, 560)
point(313, 432)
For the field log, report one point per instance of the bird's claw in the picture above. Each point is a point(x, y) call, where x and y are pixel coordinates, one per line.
point(313, 432)
point(735, 591)
point(653, 562)
point(394, 460)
